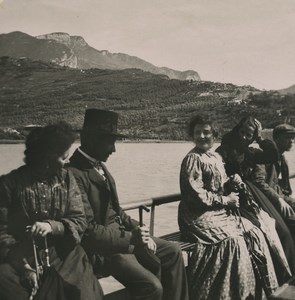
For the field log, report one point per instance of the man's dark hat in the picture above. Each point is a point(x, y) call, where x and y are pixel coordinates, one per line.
point(101, 122)
point(283, 129)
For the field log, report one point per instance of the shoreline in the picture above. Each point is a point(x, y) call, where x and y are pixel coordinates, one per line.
point(4, 141)
point(7, 141)
point(151, 141)
point(265, 133)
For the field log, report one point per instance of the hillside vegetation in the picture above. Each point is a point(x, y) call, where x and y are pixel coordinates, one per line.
point(150, 106)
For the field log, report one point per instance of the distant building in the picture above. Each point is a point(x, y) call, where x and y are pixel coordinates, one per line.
point(11, 130)
point(31, 126)
point(236, 101)
point(206, 94)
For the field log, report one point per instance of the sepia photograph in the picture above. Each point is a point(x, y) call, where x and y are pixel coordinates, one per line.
point(146, 149)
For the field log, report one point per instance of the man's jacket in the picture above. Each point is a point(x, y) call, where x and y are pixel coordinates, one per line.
point(104, 236)
point(266, 178)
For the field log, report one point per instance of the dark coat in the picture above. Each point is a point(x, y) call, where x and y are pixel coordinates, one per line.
point(25, 199)
point(103, 236)
point(266, 178)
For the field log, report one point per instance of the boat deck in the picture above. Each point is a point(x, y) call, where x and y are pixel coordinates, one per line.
point(113, 289)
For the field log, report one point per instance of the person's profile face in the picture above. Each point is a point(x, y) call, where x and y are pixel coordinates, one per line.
point(203, 136)
point(104, 146)
point(55, 162)
point(285, 142)
point(246, 134)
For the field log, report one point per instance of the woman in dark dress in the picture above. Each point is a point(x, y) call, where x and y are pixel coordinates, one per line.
point(220, 266)
point(240, 158)
point(42, 199)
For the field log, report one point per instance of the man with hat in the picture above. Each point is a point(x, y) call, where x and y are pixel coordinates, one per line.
point(273, 179)
point(149, 267)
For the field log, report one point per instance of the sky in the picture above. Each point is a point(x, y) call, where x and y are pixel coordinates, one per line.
point(245, 42)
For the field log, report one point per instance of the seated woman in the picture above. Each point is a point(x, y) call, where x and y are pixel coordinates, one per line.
point(42, 199)
point(240, 158)
point(220, 266)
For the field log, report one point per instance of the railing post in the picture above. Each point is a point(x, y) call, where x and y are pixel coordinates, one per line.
point(140, 211)
point(153, 202)
point(140, 216)
point(152, 219)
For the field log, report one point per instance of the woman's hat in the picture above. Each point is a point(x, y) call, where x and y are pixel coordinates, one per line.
point(102, 122)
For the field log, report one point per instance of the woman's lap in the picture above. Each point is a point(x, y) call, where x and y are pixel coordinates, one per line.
point(221, 271)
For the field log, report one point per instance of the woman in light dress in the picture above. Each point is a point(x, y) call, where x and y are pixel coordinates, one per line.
point(220, 266)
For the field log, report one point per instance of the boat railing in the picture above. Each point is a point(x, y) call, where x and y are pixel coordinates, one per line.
point(143, 205)
point(149, 205)
point(113, 290)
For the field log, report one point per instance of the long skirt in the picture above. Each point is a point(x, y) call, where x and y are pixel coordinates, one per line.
point(220, 266)
point(277, 233)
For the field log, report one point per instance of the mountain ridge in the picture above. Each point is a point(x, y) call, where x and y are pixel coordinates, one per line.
point(74, 52)
point(289, 90)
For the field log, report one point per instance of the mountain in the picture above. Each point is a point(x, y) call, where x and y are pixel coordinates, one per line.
point(289, 90)
point(74, 52)
point(18, 44)
point(150, 105)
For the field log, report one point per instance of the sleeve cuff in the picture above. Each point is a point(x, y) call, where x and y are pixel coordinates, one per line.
point(58, 228)
point(130, 249)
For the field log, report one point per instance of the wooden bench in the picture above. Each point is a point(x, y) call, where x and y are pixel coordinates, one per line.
point(113, 289)
point(176, 237)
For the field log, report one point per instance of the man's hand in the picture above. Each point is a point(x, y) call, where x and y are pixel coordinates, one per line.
point(40, 228)
point(140, 235)
point(152, 245)
point(285, 208)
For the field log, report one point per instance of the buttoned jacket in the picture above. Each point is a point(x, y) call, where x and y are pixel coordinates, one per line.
point(102, 236)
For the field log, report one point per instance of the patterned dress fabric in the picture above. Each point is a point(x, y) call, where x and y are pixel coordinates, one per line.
point(26, 199)
point(220, 266)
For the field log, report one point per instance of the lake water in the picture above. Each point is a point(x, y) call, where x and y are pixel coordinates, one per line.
point(141, 170)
